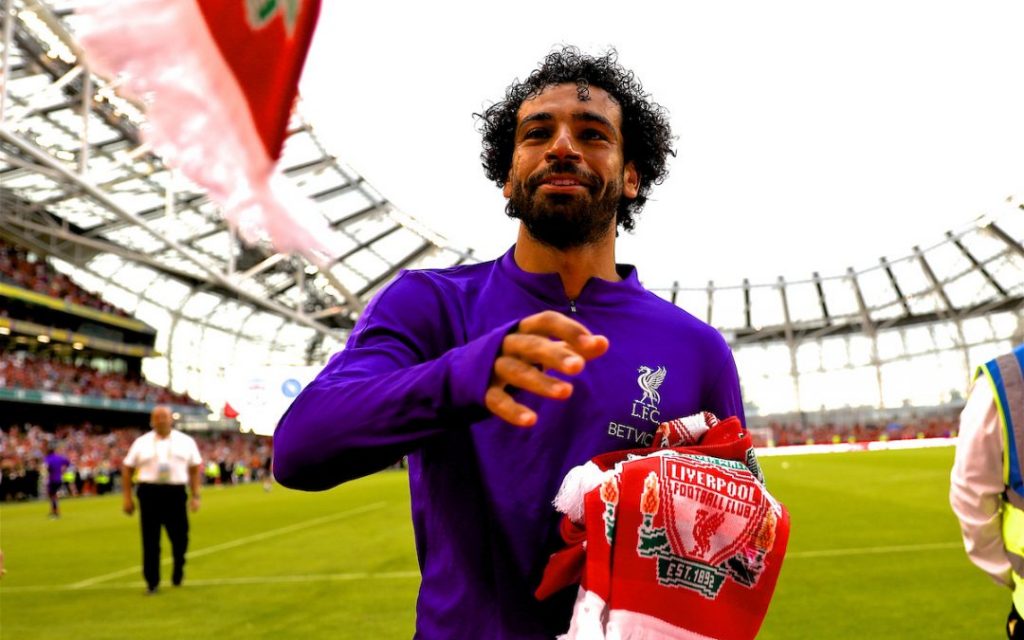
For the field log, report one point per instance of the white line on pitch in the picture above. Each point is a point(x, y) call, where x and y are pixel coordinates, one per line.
point(332, 577)
point(215, 582)
point(235, 543)
point(858, 551)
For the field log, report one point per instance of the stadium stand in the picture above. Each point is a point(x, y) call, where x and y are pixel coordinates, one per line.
point(96, 453)
point(777, 433)
point(56, 337)
point(66, 352)
point(25, 370)
point(121, 286)
point(86, 198)
point(23, 269)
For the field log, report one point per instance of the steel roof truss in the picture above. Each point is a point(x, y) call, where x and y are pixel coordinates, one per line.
point(936, 284)
point(895, 285)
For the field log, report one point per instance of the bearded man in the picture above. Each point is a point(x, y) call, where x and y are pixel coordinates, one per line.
point(497, 378)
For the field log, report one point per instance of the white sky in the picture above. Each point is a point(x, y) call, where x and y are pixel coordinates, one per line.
point(811, 135)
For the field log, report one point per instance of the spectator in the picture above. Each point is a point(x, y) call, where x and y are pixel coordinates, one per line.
point(24, 370)
point(23, 449)
point(24, 270)
point(55, 465)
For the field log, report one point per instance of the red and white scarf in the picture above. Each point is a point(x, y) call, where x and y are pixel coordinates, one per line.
point(678, 541)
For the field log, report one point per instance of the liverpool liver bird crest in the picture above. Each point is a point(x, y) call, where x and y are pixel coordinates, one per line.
point(649, 380)
point(706, 525)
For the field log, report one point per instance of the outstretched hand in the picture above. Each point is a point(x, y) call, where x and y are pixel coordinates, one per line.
point(546, 341)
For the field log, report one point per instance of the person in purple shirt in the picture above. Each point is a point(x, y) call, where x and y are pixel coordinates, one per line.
point(497, 378)
point(55, 465)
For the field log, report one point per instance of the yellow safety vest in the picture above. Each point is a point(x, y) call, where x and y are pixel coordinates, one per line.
point(1006, 374)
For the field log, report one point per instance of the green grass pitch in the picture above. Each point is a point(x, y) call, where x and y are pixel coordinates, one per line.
point(874, 553)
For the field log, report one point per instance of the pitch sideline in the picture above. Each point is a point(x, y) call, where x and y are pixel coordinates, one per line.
point(399, 575)
point(231, 544)
point(216, 582)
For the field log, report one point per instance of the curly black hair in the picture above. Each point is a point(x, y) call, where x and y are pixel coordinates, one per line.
point(645, 130)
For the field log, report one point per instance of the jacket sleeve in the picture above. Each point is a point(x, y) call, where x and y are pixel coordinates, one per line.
point(723, 397)
point(398, 382)
point(976, 483)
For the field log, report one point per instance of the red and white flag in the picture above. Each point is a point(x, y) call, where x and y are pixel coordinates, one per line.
point(218, 79)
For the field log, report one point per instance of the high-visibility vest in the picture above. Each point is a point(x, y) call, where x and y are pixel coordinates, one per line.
point(1006, 374)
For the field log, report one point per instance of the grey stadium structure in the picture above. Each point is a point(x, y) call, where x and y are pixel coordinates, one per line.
point(79, 187)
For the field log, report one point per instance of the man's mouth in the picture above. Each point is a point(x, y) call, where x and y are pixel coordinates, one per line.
point(562, 183)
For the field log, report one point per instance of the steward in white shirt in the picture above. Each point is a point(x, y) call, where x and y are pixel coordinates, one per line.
point(166, 460)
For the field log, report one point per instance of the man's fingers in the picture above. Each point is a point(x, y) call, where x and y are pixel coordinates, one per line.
point(561, 327)
point(553, 324)
point(519, 374)
point(501, 404)
point(543, 352)
point(544, 341)
point(591, 346)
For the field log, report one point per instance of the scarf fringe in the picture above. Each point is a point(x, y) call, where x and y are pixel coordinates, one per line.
point(577, 483)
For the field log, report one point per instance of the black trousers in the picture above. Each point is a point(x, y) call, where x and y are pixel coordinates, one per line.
point(1014, 625)
point(162, 505)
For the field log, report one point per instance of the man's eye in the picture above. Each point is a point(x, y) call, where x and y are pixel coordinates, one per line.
point(592, 134)
point(535, 133)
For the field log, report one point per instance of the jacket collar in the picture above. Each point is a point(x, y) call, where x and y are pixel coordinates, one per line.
point(548, 286)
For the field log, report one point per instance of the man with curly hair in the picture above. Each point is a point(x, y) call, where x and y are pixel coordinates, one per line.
point(497, 378)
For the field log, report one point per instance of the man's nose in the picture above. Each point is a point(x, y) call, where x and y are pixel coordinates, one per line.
point(562, 147)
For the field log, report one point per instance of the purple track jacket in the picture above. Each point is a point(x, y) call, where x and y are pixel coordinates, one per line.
point(411, 380)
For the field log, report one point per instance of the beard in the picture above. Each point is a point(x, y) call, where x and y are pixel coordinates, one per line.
point(561, 220)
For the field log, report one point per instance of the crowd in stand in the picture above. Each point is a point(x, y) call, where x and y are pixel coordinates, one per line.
point(96, 455)
point(19, 269)
point(783, 434)
point(22, 370)
point(229, 458)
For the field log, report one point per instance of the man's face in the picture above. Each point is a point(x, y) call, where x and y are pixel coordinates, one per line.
point(161, 421)
point(567, 174)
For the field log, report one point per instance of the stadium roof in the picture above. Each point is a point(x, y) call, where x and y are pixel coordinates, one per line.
point(87, 189)
point(972, 272)
point(80, 186)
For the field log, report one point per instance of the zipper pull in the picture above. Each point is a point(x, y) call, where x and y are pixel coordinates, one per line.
point(572, 306)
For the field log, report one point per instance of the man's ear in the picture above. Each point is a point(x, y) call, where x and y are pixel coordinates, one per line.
point(507, 189)
point(630, 181)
